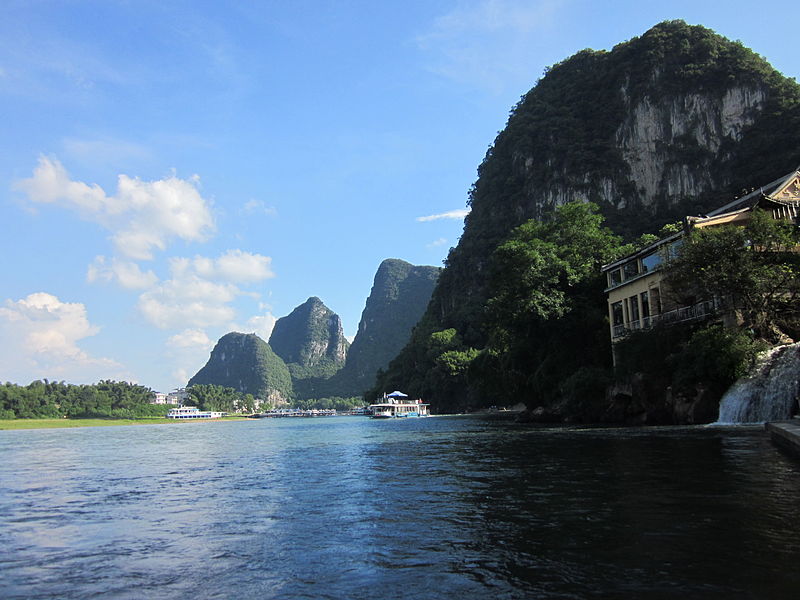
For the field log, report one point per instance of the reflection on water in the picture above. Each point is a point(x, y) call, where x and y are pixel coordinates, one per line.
point(420, 508)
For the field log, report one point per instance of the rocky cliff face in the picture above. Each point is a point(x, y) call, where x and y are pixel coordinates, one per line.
point(310, 335)
point(245, 362)
point(399, 296)
point(675, 122)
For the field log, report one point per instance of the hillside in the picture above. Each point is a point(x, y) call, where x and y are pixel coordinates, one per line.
point(311, 339)
point(245, 362)
point(399, 296)
point(670, 123)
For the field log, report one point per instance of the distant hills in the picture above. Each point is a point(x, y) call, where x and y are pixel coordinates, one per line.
point(308, 356)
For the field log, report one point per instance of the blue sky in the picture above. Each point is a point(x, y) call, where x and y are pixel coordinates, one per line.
point(174, 170)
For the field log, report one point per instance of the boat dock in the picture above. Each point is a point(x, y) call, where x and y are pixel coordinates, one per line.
point(296, 412)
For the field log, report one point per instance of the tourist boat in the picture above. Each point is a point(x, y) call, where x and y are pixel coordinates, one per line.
point(192, 412)
point(397, 405)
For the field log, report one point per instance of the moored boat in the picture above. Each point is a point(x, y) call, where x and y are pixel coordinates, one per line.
point(397, 405)
point(192, 412)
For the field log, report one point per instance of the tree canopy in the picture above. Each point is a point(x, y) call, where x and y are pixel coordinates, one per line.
point(754, 270)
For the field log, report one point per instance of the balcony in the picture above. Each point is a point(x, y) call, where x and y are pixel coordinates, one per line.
point(695, 312)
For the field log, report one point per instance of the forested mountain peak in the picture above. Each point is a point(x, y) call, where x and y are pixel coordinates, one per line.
point(246, 363)
point(309, 335)
point(674, 122)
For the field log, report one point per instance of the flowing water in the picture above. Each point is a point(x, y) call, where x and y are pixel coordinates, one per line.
point(769, 393)
point(444, 507)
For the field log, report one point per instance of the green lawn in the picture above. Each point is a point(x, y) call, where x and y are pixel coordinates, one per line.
point(54, 423)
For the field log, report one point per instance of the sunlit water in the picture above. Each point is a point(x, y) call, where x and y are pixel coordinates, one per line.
point(446, 507)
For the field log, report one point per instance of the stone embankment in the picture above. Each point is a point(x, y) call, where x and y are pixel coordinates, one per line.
point(786, 435)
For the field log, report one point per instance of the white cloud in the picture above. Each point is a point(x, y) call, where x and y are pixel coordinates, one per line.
point(40, 339)
point(126, 274)
point(190, 338)
point(188, 351)
point(453, 214)
point(258, 207)
point(261, 325)
point(235, 266)
point(200, 290)
point(437, 243)
point(142, 217)
point(488, 44)
point(188, 301)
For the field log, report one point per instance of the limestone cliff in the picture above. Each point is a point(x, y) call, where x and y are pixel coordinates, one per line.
point(675, 122)
point(311, 337)
point(399, 296)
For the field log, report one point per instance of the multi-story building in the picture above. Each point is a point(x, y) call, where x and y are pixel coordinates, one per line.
point(179, 396)
point(637, 295)
point(159, 398)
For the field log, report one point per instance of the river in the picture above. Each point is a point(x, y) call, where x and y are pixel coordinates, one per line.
point(444, 507)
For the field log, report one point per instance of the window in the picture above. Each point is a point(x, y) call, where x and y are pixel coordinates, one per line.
point(656, 294)
point(634, 304)
point(650, 262)
point(631, 269)
point(616, 312)
point(645, 305)
point(615, 277)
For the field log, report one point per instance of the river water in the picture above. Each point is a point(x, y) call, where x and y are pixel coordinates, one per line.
point(444, 507)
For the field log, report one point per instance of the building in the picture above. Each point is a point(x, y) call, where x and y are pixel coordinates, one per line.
point(159, 398)
point(637, 296)
point(179, 396)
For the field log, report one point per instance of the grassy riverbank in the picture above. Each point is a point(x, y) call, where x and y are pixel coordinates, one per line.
point(60, 423)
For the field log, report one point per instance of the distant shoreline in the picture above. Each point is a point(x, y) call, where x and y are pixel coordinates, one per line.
point(16, 424)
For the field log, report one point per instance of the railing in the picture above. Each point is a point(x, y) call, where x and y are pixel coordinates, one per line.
point(701, 310)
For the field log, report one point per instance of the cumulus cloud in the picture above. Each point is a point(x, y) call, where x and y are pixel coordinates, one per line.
point(453, 214)
point(190, 338)
point(40, 339)
point(235, 266)
point(488, 44)
point(188, 301)
point(200, 290)
point(261, 325)
point(188, 351)
point(143, 216)
point(126, 274)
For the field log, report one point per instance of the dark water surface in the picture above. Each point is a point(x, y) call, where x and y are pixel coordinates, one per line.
point(445, 507)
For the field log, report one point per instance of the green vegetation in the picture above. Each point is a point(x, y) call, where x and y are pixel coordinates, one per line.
point(52, 399)
point(544, 322)
point(686, 356)
point(399, 296)
point(529, 321)
point(311, 338)
point(754, 272)
point(753, 268)
point(247, 364)
point(220, 399)
point(336, 403)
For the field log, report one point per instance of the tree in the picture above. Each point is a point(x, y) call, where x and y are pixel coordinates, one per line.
point(544, 319)
point(754, 270)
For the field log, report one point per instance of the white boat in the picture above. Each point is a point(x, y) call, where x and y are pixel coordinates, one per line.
point(397, 405)
point(192, 412)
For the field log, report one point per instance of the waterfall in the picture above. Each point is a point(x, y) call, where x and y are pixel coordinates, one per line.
point(768, 393)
